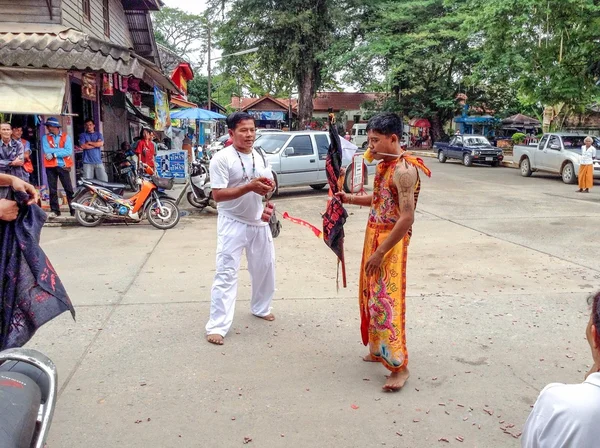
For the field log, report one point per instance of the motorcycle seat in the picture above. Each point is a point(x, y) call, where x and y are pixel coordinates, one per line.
point(108, 185)
point(20, 399)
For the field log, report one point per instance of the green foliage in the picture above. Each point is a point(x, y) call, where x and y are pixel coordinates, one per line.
point(294, 37)
point(518, 138)
point(182, 32)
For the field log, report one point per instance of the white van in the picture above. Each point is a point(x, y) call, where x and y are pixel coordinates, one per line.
point(358, 135)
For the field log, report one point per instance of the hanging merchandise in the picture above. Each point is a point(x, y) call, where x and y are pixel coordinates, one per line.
point(162, 120)
point(137, 99)
point(134, 85)
point(124, 86)
point(89, 86)
point(107, 85)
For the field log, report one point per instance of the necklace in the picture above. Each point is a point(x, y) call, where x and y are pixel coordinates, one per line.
point(245, 176)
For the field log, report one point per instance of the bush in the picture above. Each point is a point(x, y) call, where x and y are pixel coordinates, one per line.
point(518, 138)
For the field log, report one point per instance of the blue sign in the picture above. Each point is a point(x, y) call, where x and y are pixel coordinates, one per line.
point(266, 115)
point(172, 164)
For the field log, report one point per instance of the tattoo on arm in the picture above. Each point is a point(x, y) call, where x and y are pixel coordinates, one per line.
point(405, 179)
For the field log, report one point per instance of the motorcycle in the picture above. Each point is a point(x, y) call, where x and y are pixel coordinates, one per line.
point(95, 201)
point(124, 166)
point(28, 393)
point(200, 194)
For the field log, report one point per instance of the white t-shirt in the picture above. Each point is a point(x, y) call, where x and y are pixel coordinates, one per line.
point(565, 416)
point(226, 172)
point(587, 155)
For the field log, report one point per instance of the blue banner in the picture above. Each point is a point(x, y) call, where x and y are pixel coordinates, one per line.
point(266, 115)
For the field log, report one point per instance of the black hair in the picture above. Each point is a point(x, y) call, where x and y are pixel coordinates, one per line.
point(142, 132)
point(234, 119)
point(386, 123)
point(594, 302)
point(90, 120)
point(16, 125)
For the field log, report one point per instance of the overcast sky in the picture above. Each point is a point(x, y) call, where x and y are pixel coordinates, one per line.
point(193, 6)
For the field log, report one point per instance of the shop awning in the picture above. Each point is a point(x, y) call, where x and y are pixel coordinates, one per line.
point(31, 91)
point(182, 103)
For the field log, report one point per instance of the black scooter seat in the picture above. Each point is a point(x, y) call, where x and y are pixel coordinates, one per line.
point(19, 407)
point(108, 185)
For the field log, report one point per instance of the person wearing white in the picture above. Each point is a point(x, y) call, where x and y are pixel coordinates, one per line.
point(240, 177)
point(586, 166)
point(567, 415)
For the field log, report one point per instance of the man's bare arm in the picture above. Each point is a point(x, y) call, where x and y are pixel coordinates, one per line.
point(257, 186)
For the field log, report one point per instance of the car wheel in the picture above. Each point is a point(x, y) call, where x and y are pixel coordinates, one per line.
point(442, 157)
point(364, 145)
point(318, 186)
point(276, 191)
point(467, 159)
point(568, 174)
point(496, 164)
point(525, 167)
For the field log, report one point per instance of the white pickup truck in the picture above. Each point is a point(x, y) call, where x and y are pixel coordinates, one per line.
point(558, 153)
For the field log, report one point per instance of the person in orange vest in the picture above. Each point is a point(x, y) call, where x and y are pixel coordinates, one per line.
point(17, 134)
point(58, 161)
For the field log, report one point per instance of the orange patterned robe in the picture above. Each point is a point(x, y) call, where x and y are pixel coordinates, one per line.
point(382, 298)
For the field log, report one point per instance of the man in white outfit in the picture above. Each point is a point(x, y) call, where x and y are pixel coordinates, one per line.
point(240, 177)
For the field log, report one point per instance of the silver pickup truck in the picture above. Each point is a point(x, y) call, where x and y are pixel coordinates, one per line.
point(558, 153)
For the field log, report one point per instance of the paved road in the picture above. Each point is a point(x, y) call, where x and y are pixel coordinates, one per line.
point(499, 270)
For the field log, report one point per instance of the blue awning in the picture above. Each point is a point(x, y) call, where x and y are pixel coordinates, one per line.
point(486, 119)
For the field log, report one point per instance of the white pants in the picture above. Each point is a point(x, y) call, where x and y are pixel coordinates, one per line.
point(233, 237)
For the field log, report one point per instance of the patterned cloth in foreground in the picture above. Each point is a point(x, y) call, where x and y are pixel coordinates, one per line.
point(31, 292)
point(382, 298)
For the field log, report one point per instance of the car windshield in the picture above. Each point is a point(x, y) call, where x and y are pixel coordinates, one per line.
point(271, 142)
point(477, 141)
point(575, 142)
point(223, 138)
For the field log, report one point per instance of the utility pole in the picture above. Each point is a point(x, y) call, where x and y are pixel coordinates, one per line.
point(208, 107)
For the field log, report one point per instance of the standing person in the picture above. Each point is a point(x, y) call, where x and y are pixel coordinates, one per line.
point(58, 161)
point(17, 134)
point(566, 415)
point(146, 149)
point(92, 142)
point(586, 166)
point(12, 154)
point(240, 178)
point(382, 289)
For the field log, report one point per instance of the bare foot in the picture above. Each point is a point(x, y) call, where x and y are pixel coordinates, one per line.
point(370, 358)
point(268, 317)
point(396, 380)
point(216, 339)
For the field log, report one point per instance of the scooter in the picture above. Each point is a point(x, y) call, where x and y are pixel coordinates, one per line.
point(95, 201)
point(200, 194)
point(124, 166)
point(28, 393)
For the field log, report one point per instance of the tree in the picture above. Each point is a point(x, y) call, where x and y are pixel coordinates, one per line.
point(293, 37)
point(181, 32)
point(547, 49)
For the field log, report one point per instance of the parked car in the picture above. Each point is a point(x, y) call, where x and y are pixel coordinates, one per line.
point(358, 135)
point(557, 153)
point(298, 158)
point(470, 149)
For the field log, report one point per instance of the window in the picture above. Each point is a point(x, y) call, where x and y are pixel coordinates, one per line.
point(554, 141)
point(87, 10)
point(356, 118)
point(362, 131)
point(322, 145)
point(543, 142)
point(302, 146)
point(106, 16)
point(271, 142)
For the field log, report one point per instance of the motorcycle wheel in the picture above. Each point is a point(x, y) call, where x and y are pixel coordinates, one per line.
point(193, 201)
point(86, 219)
point(168, 219)
point(131, 182)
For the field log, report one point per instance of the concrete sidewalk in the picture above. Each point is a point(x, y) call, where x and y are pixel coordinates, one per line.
point(496, 310)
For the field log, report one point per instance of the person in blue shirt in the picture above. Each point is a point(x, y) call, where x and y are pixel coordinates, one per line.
point(58, 161)
point(92, 142)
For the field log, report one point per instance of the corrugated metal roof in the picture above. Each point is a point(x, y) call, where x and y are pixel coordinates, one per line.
point(54, 46)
